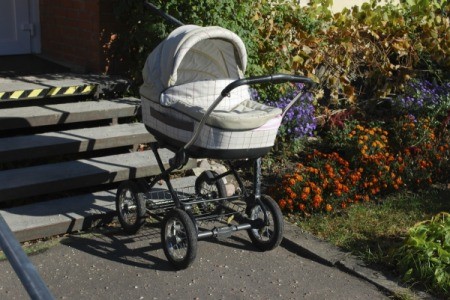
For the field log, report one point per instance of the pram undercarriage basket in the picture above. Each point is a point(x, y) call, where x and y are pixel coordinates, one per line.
point(197, 103)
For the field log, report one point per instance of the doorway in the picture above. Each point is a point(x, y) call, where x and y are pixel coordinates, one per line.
point(19, 27)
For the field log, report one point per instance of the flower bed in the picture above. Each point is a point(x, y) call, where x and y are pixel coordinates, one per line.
point(407, 149)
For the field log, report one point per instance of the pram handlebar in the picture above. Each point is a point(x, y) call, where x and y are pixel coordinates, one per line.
point(276, 78)
point(163, 14)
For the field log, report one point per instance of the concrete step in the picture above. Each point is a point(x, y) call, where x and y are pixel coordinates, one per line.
point(48, 144)
point(59, 85)
point(52, 178)
point(34, 116)
point(71, 214)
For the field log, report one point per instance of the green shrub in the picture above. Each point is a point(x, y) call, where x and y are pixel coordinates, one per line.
point(425, 254)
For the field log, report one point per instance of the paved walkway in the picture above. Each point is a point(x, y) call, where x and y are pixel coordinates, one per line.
point(110, 265)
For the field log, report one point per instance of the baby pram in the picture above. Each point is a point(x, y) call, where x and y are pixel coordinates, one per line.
point(197, 103)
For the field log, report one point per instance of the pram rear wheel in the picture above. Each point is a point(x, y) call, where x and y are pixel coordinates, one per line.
point(130, 206)
point(266, 236)
point(208, 188)
point(179, 238)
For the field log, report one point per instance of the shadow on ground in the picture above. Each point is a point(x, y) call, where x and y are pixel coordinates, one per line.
point(143, 249)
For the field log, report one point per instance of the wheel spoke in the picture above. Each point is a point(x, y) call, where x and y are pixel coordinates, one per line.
point(267, 233)
point(130, 206)
point(176, 239)
point(179, 238)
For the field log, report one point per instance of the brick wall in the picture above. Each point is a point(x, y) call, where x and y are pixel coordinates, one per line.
point(73, 32)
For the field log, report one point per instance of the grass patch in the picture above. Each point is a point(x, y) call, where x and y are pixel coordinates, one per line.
point(41, 245)
point(35, 247)
point(369, 230)
point(373, 231)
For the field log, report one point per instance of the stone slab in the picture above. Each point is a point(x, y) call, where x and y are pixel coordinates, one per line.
point(70, 214)
point(57, 177)
point(33, 116)
point(72, 141)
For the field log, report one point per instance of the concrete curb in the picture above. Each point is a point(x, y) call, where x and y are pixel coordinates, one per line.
point(307, 245)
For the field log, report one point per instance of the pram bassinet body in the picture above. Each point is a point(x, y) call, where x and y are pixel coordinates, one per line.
point(184, 75)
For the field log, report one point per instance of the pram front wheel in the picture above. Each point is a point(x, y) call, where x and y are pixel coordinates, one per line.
point(179, 238)
point(130, 206)
point(208, 188)
point(266, 236)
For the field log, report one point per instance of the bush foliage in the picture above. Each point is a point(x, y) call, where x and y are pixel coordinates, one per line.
point(355, 54)
point(143, 29)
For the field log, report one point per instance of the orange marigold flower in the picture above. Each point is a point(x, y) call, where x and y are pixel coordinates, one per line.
point(312, 185)
point(328, 207)
point(318, 198)
point(298, 177)
point(302, 207)
point(306, 190)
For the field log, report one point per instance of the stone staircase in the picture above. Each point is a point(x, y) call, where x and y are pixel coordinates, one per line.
point(60, 161)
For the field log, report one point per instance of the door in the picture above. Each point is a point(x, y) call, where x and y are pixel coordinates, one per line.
point(15, 27)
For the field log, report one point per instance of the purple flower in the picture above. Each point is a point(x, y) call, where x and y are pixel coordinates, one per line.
point(422, 97)
point(300, 120)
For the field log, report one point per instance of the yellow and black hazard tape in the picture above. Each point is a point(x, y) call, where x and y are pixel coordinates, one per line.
point(48, 92)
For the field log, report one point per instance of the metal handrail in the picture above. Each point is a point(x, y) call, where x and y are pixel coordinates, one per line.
point(23, 267)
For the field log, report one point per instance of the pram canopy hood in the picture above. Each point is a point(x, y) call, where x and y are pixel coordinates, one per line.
point(193, 53)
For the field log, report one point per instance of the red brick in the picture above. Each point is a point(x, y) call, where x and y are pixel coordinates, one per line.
point(75, 31)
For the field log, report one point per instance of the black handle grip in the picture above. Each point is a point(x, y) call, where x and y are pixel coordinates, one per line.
point(276, 78)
